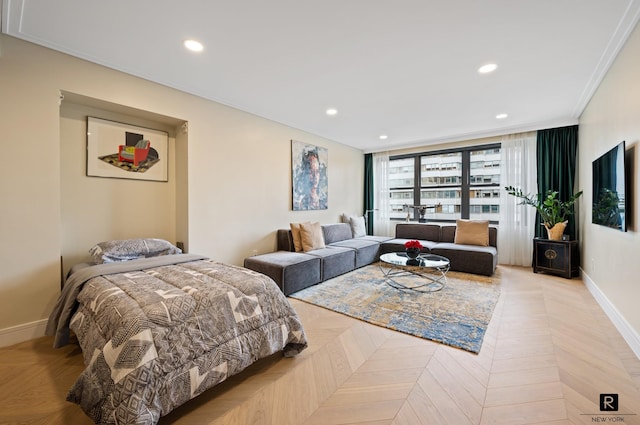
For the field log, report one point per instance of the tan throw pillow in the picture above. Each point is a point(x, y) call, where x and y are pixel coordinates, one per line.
point(295, 235)
point(472, 232)
point(311, 236)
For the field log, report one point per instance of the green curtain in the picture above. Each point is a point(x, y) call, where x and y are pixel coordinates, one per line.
point(556, 162)
point(368, 191)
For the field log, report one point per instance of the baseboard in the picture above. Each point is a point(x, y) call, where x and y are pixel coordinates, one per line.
point(24, 332)
point(626, 330)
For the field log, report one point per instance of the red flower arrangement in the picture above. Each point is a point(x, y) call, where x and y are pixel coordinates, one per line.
point(413, 245)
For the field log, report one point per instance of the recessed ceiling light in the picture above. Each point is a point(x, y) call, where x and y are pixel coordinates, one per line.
point(501, 116)
point(485, 69)
point(383, 137)
point(193, 45)
point(332, 111)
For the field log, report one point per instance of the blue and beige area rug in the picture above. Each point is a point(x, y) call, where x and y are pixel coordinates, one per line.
point(458, 315)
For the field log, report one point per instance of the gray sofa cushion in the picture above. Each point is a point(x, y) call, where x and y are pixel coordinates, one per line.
point(397, 245)
point(336, 232)
point(378, 239)
point(367, 251)
point(335, 260)
point(422, 232)
point(469, 258)
point(292, 271)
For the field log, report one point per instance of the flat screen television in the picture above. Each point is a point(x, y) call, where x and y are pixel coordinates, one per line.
point(609, 189)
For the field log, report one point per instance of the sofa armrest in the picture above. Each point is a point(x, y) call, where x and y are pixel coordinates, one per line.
point(493, 236)
point(284, 240)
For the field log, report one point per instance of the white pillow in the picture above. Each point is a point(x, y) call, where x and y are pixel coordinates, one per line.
point(358, 228)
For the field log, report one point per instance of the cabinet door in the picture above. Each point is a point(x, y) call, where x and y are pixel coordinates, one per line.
point(554, 257)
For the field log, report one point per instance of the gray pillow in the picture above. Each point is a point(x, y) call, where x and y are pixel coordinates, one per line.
point(131, 249)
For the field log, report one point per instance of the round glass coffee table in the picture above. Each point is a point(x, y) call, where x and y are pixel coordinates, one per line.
point(430, 267)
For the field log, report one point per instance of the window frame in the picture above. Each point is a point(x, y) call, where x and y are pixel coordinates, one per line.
point(465, 185)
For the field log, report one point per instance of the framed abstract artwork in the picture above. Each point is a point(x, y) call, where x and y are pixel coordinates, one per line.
point(309, 170)
point(125, 151)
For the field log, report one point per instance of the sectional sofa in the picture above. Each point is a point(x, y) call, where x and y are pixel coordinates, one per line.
point(342, 252)
point(469, 254)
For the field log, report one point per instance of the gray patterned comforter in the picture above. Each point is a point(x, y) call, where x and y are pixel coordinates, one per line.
point(156, 337)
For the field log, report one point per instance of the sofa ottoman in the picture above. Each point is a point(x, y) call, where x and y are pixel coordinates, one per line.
point(292, 271)
point(335, 261)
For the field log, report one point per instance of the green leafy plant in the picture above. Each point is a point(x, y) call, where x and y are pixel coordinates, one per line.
point(552, 210)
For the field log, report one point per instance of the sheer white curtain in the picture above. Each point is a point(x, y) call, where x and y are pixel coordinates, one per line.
point(381, 221)
point(517, 222)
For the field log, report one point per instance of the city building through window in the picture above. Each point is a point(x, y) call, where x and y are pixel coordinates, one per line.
point(452, 184)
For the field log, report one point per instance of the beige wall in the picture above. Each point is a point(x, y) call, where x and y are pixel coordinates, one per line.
point(95, 209)
point(232, 169)
point(609, 257)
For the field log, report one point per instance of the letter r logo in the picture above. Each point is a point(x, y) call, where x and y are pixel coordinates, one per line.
point(608, 402)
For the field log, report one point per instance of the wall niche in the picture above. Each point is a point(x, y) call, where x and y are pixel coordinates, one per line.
point(95, 209)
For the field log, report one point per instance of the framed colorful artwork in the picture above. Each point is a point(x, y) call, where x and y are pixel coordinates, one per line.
point(309, 169)
point(125, 151)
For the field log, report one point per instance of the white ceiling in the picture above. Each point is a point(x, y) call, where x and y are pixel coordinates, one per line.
point(406, 68)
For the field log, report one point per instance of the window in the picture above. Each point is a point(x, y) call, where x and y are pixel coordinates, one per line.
point(401, 182)
point(484, 184)
point(437, 179)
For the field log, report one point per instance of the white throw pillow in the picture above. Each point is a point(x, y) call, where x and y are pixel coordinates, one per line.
point(358, 228)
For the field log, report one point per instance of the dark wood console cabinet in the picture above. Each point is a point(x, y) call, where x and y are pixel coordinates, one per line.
point(556, 257)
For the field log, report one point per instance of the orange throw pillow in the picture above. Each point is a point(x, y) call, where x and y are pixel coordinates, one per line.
point(295, 234)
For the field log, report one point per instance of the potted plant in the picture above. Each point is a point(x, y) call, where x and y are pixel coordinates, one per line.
point(554, 212)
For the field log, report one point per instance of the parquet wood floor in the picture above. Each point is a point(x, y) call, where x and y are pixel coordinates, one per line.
point(549, 352)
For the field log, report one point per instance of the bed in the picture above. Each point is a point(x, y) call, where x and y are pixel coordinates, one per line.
point(157, 331)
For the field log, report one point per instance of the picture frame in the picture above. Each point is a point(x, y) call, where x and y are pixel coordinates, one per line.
point(125, 151)
point(309, 176)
